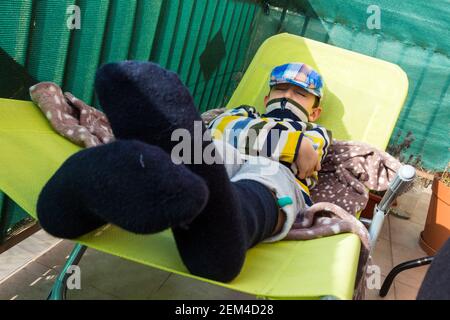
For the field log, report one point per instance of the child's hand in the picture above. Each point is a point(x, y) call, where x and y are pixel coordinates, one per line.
point(307, 160)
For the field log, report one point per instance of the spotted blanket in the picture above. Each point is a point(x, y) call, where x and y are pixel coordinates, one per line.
point(71, 117)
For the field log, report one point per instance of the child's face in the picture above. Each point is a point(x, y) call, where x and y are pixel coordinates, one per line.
point(299, 95)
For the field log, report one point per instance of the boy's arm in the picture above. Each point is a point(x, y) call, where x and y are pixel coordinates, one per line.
point(319, 136)
point(321, 139)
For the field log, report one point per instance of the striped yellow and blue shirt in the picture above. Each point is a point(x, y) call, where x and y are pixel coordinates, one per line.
point(277, 134)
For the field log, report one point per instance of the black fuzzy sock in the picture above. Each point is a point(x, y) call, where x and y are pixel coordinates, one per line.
point(146, 102)
point(128, 183)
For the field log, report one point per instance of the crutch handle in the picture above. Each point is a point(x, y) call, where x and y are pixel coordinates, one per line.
point(402, 180)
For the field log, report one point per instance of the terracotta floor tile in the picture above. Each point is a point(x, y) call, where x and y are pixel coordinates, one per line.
point(420, 211)
point(385, 230)
point(382, 256)
point(414, 276)
point(405, 233)
point(408, 201)
point(404, 291)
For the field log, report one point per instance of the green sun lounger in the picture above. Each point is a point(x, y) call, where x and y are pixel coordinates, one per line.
point(363, 98)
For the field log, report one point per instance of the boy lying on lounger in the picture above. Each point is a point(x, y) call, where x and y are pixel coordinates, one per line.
point(216, 213)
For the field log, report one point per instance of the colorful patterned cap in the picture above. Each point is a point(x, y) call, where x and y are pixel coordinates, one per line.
point(299, 74)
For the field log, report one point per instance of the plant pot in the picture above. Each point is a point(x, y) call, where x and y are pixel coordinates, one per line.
point(437, 225)
point(374, 199)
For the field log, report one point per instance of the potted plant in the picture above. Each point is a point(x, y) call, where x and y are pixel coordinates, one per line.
point(437, 225)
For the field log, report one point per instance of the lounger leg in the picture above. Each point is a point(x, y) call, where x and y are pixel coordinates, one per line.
point(60, 287)
point(399, 268)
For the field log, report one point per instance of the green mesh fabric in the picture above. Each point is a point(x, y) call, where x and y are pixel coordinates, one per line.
point(14, 28)
point(85, 49)
point(147, 13)
point(49, 40)
point(120, 30)
point(413, 34)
